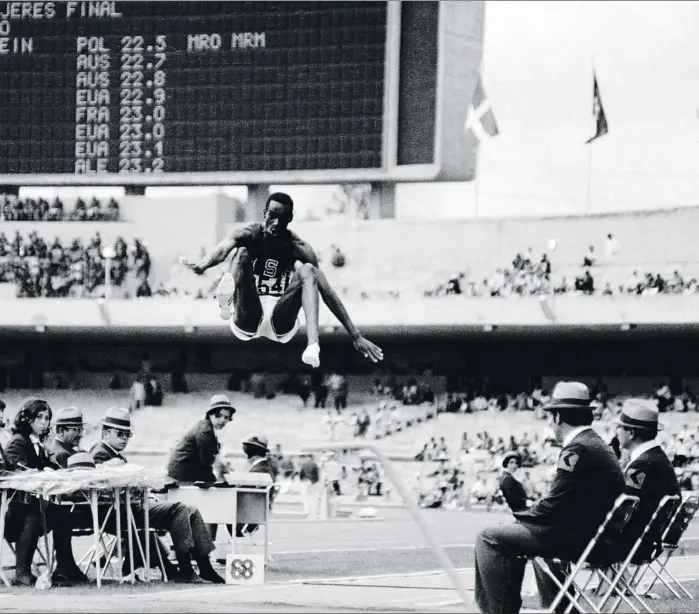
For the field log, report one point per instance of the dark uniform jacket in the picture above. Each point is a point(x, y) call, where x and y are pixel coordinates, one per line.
point(192, 460)
point(101, 453)
point(513, 491)
point(22, 454)
point(649, 477)
point(588, 480)
point(61, 452)
point(5, 465)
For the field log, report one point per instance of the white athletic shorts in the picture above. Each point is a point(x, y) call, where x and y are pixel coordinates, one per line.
point(265, 328)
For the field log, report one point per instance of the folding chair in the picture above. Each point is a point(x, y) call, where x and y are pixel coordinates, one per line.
point(670, 543)
point(599, 555)
point(645, 549)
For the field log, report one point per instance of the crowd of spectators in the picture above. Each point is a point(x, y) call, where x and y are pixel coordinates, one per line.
point(456, 480)
point(532, 275)
point(40, 268)
point(16, 209)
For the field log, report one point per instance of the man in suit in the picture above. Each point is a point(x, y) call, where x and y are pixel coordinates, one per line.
point(510, 487)
point(69, 431)
point(649, 473)
point(190, 535)
point(587, 482)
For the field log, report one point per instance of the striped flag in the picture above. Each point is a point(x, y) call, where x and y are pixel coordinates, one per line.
point(598, 113)
point(480, 119)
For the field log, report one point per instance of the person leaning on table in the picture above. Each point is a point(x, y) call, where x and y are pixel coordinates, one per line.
point(26, 451)
point(587, 482)
point(190, 536)
point(194, 456)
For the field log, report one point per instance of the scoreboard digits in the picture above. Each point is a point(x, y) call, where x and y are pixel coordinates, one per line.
point(143, 88)
point(142, 105)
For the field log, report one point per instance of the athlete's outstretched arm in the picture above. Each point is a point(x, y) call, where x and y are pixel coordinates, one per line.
point(220, 252)
point(305, 253)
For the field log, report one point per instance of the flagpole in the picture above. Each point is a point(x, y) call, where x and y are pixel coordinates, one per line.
point(588, 198)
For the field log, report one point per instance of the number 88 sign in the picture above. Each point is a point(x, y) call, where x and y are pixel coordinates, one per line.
point(244, 569)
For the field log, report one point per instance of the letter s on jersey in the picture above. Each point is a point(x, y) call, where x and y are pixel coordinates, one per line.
point(271, 268)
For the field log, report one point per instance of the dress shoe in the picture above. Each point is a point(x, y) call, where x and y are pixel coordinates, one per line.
point(24, 578)
point(189, 578)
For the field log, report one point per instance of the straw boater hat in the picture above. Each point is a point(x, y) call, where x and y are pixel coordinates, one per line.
point(117, 418)
point(259, 444)
point(639, 414)
point(81, 460)
point(220, 401)
point(509, 456)
point(569, 395)
point(69, 416)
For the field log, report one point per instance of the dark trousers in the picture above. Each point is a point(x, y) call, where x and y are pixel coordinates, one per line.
point(501, 557)
point(24, 526)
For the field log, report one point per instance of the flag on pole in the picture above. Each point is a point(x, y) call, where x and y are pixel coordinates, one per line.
point(598, 113)
point(480, 119)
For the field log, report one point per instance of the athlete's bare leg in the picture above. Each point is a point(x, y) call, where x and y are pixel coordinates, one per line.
point(302, 292)
point(237, 290)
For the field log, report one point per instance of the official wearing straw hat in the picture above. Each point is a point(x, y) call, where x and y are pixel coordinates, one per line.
point(190, 536)
point(69, 426)
point(116, 432)
point(649, 474)
point(587, 482)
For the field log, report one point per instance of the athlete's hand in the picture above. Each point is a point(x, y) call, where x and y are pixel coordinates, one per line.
point(192, 266)
point(368, 349)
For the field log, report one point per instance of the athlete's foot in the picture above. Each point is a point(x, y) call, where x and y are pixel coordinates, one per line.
point(224, 295)
point(311, 355)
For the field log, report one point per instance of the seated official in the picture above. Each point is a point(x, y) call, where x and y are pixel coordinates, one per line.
point(69, 427)
point(190, 535)
point(649, 473)
point(193, 458)
point(256, 449)
point(22, 525)
point(26, 451)
point(510, 487)
point(587, 482)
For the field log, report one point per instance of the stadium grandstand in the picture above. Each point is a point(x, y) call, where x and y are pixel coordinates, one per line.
point(356, 453)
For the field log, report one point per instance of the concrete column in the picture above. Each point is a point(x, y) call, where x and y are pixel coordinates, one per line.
point(382, 204)
point(257, 197)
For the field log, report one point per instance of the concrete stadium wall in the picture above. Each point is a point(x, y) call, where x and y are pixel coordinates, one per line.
point(381, 253)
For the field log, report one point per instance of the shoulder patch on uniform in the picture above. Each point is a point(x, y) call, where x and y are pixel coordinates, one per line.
point(635, 478)
point(567, 461)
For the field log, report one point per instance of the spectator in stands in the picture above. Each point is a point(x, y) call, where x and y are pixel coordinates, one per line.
point(339, 387)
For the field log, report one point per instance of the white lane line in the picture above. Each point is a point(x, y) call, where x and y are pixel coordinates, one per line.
point(373, 548)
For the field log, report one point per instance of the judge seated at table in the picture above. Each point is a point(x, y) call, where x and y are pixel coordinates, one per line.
point(195, 454)
point(190, 536)
point(69, 427)
point(256, 450)
point(26, 451)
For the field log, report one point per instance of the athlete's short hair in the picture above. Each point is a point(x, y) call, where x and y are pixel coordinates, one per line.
point(282, 198)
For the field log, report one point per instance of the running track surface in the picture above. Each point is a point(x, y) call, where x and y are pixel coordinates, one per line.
point(333, 566)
